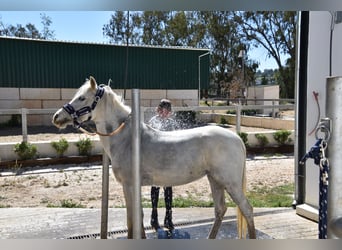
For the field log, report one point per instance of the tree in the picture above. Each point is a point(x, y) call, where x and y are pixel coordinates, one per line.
point(225, 33)
point(123, 28)
point(276, 32)
point(29, 30)
point(264, 80)
point(225, 42)
point(185, 28)
point(46, 33)
point(153, 25)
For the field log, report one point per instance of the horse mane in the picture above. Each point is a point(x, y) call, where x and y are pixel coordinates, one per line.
point(117, 99)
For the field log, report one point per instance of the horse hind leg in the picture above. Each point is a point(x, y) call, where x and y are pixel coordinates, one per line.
point(220, 206)
point(245, 208)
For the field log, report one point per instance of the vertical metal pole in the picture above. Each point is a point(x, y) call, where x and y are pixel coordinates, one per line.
point(105, 192)
point(301, 104)
point(273, 109)
point(199, 76)
point(199, 80)
point(137, 215)
point(238, 118)
point(24, 123)
point(334, 149)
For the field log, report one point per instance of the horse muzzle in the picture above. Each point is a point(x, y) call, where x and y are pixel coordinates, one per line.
point(61, 119)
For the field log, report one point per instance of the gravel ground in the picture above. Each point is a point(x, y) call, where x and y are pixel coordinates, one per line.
point(84, 186)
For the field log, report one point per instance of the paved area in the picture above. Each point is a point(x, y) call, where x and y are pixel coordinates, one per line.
point(81, 223)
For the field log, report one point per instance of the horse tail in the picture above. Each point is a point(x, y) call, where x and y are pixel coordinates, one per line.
point(241, 221)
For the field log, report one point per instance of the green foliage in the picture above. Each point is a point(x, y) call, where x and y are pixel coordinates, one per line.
point(249, 112)
point(225, 32)
point(25, 150)
point(84, 146)
point(244, 137)
point(190, 201)
point(67, 203)
point(29, 30)
point(282, 136)
point(259, 26)
point(223, 120)
point(14, 121)
point(262, 139)
point(280, 196)
point(61, 146)
point(231, 112)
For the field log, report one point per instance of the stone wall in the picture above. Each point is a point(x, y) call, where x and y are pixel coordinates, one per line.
point(54, 98)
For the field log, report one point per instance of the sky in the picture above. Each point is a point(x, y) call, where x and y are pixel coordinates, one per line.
point(86, 26)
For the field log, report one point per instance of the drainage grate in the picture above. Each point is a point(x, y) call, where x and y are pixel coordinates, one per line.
point(182, 224)
point(147, 228)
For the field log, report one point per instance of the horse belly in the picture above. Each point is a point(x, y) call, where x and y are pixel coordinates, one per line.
point(172, 178)
point(178, 168)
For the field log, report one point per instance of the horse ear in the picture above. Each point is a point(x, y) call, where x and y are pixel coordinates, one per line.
point(93, 83)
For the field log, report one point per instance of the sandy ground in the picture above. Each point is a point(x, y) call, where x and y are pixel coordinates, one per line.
point(84, 186)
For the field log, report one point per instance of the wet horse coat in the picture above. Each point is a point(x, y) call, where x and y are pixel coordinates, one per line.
point(167, 158)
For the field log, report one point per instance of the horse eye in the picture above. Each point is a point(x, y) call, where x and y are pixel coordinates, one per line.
point(81, 98)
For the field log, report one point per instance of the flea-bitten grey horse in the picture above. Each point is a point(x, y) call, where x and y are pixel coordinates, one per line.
point(167, 158)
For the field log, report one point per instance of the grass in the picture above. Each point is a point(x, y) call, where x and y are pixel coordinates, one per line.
point(66, 203)
point(181, 202)
point(280, 196)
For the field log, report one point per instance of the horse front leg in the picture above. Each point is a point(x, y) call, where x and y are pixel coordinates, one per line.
point(128, 193)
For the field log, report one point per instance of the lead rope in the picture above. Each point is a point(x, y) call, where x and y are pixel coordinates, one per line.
point(317, 152)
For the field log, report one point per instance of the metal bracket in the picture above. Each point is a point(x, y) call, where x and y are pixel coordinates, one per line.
point(325, 127)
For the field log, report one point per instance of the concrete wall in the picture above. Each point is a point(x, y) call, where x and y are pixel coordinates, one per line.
point(251, 121)
point(15, 98)
point(263, 92)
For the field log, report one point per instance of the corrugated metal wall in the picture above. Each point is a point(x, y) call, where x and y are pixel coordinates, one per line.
point(52, 64)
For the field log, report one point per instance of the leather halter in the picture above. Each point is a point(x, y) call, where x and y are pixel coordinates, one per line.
point(75, 114)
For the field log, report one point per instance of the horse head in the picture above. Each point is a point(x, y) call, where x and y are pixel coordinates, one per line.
point(80, 108)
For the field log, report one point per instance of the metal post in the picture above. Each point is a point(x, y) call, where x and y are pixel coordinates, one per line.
point(334, 111)
point(238, 118)
point(301, 104)
point(137, 215)
point(105, 191)
point(24, 123)
point(199, 76)
point(273, 109)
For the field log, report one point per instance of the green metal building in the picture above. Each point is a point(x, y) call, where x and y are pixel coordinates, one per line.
point(28, 63)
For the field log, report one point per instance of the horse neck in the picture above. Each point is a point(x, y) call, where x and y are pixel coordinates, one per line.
point(110, 113)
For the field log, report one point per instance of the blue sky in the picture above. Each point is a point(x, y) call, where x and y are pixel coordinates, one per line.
point(86, 26)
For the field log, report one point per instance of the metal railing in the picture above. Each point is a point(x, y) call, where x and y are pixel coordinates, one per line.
point(237, 108)
point(24, 112)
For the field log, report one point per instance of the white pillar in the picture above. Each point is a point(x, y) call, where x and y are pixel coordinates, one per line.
point(334, 154)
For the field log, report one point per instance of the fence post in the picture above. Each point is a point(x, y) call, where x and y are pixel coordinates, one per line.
point(137, 216)
point(24, 123)
point(273, 109)
point(238, 118)
point(105, 191)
